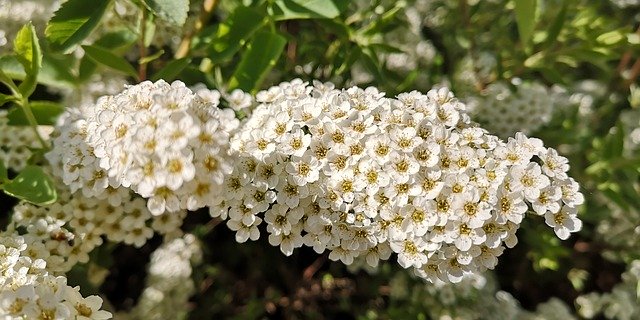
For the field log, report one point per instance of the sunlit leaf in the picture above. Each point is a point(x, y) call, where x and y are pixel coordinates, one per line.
point(73, 22)
point(27, 51)
point(54, 72)
point(33, 185)
point(261, 55)
point(172, 11)
point(309, 9)
point(235, 32)
point(171, 70)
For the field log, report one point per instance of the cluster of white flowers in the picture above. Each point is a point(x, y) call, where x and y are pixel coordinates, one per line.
point(28, 291)
point(473, 71)
point(358, 174)
point(474, 297)
point(621, 303)
point(64, 233)
point(503, 111)
point(169, 283)
point(16, 142)
point(163, 141)
point(626, 3)
point(630, 120)
point(15, 14)
point(103, 83)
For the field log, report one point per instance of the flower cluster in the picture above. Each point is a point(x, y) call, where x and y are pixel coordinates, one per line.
point(27, 291)
point(505, 112)
point(64, 233)
point(362, 175)
point(163, 141)
point(16, 142)
point(169, 283)
point(620, 303)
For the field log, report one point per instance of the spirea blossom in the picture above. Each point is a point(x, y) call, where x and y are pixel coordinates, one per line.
point(358, 174)
point(163, 141)
point(16, 142)
point(505, 109)
point(28, 291)
point(169, 285)
point(63, 234)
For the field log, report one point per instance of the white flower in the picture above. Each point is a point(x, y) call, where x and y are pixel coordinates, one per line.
point(245, 232)
point(529, 179)
point(510, 207)
point(238, 100)
point(295, 143)
point(554, 165)
point(564, 222)
point(86, 308)
point(287, 242)
point(571, 195)
point(304, 170)
point(548, 200)
point(177, 167)
point(410, 252)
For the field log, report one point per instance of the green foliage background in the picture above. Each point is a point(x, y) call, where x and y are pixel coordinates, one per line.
point(252, 44)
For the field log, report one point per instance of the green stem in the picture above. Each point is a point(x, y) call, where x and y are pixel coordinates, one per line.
point(24, 104)
point(142, 66)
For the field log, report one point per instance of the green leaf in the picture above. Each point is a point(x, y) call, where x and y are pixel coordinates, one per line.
point(152, 57)
point(556, 26)
point(120, 39)
point(45, 112)
point(535, 60)
point(73, 22)
point(33, 185)
point(4, 98)
point(370, 61)
point(171, 70)
point(27, 50)
point(308, 9)
point(525, 18)
point(552, 75)
point(4, 176)
point(105, 57)
point(261, 55)
point(611, 37)
point(54, 72)
point(6, 79)
point(614, 144)
point(234, 32)
point(172, 11)
point(86, 69)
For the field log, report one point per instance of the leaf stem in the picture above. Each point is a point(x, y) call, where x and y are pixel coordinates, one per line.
point(24, 104)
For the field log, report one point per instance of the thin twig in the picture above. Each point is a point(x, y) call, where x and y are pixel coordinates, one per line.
point(142, 67)
point(633, 74)
point(205, 15)
point(308, 272)
point(626, 58)
point(211, 224)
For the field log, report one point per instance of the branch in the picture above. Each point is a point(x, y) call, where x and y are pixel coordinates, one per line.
point(207, 11)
